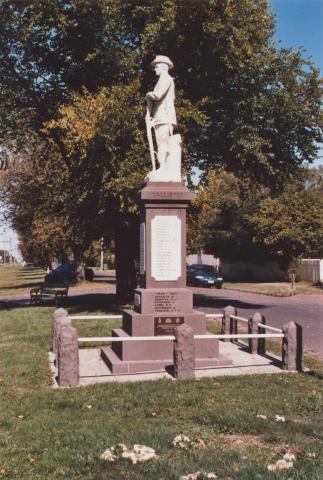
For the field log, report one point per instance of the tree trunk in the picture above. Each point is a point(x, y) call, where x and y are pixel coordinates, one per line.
point(80, 269)
point(126, 243)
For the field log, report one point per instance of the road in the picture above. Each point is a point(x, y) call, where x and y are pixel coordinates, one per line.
point(307, 310)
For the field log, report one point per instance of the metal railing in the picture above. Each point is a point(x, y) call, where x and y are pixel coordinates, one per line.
point(263, 325)
point(172, 337)
point(93, 317)
point(66, 340)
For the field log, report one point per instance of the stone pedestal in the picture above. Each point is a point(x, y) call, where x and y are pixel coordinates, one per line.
point(162, 302)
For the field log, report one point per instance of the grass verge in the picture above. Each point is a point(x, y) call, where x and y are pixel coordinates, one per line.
point(279, 289)
point(52, 434)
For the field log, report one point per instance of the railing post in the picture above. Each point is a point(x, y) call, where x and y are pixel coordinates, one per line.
point(227, 322)
point(256, 345)
point(68, 357)
point(59, 319)
point(184, 352)
point(292, 354)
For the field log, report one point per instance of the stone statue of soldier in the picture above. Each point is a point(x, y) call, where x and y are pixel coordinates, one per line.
point(161, 116)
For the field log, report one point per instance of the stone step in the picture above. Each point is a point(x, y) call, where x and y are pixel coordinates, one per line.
point(119, 367)
point(153, 350)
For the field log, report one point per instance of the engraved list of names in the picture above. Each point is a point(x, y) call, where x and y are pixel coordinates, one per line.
point(166, 247)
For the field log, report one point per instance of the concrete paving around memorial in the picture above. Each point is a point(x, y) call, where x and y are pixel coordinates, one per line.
point(94, 370)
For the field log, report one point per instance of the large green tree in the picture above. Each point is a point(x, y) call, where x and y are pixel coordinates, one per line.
point(238, 220)
point(244, 105)
point(291, 225)
point(219, 220)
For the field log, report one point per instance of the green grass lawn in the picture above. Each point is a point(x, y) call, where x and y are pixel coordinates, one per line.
point(52, 434)
point(16, 280)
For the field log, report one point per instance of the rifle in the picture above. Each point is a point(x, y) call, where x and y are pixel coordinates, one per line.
point(149, 126)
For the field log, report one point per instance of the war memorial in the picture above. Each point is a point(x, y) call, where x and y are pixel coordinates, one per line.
point(162, 302)
point(163, 305)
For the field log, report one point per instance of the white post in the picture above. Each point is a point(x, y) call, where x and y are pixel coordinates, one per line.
point(101, 260)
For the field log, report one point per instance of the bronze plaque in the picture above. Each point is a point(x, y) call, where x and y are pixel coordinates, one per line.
point(166, 325)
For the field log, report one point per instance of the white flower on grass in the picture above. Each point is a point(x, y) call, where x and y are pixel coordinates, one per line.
point(280, 465)
point(181, 441)
point(139, 453)
point(311, 455)
point(263, 417)
point(191, 476)
point(130, 456)
point(280, 418)
point(199, 476)
point(108, 455)
point(289, 457)
point(284, 464)
point(143, 453)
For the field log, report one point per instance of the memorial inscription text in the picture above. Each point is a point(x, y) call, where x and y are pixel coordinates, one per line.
point(165, 302)
point(166, 247)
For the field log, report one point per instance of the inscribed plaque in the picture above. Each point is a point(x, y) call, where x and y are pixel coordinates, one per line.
point(166, 247)
point(142, 249)
point(166, 325)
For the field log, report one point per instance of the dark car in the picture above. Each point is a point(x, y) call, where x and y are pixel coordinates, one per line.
point(66, 273)
point(203, 276)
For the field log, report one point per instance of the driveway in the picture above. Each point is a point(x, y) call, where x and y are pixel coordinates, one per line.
point(307, 310)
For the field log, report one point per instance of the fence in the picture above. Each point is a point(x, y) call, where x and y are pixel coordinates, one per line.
point(311, 270)
point(204, 259)
point(66, 341)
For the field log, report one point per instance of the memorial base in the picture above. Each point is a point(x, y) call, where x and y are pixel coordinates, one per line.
point(163, 302)
point(119, 367)
point(157, 355)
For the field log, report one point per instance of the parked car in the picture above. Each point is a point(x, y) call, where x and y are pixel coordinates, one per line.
point(66, 273)
point(203, 276)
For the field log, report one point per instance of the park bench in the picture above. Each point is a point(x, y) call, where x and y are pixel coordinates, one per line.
point(48, 291)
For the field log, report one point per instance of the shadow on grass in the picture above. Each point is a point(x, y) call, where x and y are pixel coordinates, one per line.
point(105, 279)
point(204, 300)
point(314, 373)
point(23, 285)
point(33, 276)
point(90, 302)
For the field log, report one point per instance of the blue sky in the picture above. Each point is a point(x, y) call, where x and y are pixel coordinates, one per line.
point(299, 23)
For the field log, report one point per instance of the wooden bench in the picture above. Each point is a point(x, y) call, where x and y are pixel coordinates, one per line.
point(56, 291)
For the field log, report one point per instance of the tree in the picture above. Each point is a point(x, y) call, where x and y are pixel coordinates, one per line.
point(244, 105)
point(291, 225)
point(237, 220)
point(219, 221)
